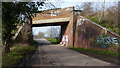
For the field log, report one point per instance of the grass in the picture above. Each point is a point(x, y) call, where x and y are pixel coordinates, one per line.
point(53, 40)
point(96, 51)
point(13, 58)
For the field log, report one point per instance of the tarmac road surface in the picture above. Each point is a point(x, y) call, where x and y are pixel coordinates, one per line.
point(48, 54)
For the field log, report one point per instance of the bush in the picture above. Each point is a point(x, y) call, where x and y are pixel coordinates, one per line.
point(94, 19)
point(105, 23)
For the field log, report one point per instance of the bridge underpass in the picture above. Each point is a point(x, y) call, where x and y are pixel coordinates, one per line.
point(62, 25)
point(75, 31)
point(48, 54)
point(63, 17)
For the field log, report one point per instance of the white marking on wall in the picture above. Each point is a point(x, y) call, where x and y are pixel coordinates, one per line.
point(80, 22)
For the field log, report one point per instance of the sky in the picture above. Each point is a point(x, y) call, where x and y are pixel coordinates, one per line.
point(63, 0)
point(44, 29)
point(68, 3)
point(87, 0)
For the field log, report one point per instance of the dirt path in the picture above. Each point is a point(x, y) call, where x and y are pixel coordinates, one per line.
point(56, 55)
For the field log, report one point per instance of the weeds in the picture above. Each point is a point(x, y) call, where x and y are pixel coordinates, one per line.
point(10, 60)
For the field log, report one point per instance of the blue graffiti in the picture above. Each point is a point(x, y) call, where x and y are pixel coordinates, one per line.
point(107, 40)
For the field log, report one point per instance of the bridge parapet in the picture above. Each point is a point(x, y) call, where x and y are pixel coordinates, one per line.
point(51, 20)
point(54, 15)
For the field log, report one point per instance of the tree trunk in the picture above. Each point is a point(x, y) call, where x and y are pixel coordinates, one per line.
point(7, 48)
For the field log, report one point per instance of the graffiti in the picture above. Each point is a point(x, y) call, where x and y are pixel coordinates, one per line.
point(65, 39)
point(54, 13)
point(106, 41)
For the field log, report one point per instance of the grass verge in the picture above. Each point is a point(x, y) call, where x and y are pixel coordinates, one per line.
point(53, 40)
point(96, 51)
point(107, 56)
point(16, 54)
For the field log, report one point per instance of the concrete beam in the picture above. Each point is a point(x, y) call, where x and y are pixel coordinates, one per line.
point(51, 20)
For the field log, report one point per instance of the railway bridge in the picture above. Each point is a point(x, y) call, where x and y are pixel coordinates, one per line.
point(76, 30)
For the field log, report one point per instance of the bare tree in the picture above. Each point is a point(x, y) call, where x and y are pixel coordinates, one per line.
point(41, 34)
point(111, 17)
point(87, 8)
point(51, 5)
point(78, 7)
point(54, 31)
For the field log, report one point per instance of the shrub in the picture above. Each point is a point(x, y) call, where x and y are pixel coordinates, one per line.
point(94, 19)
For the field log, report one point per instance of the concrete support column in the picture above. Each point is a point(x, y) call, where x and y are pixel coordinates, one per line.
point(74, 26)
point(69, 31)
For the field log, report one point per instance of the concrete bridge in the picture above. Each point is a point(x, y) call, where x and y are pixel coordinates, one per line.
point(76, 30)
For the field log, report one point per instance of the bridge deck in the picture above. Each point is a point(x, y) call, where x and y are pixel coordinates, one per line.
point(51, 20)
